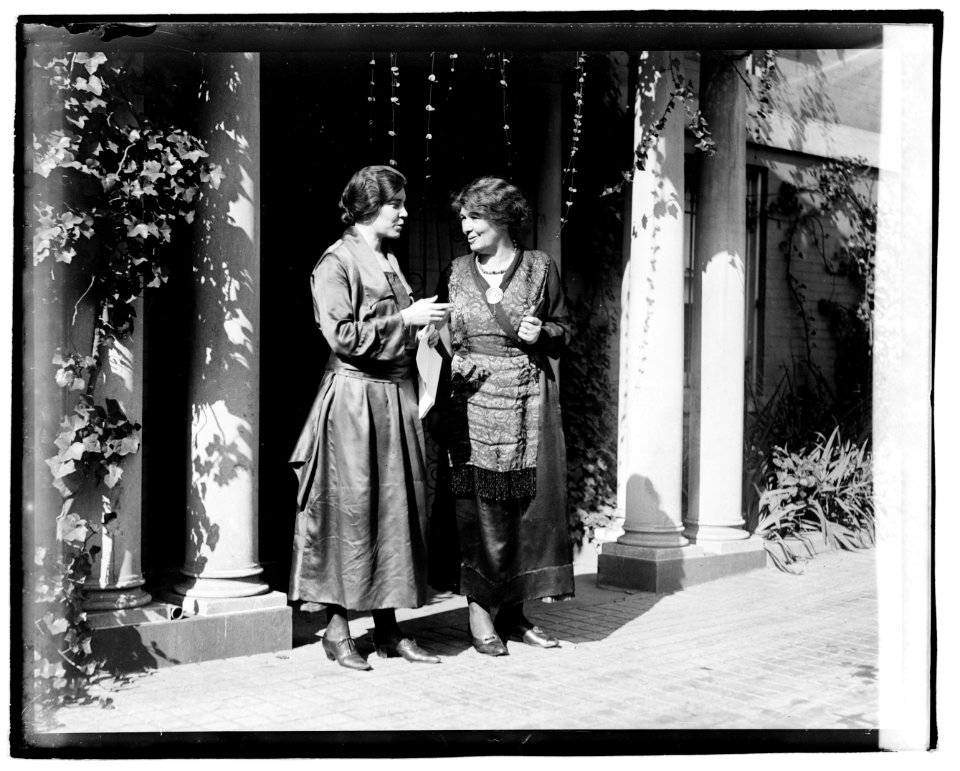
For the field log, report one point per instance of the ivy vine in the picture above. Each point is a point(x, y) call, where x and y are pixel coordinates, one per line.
point(838, 186)
point(113, 186)
point(592, 257)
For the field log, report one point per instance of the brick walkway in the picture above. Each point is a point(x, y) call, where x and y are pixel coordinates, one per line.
point(762, 650)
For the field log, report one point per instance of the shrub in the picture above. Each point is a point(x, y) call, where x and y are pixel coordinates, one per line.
point(825, 489)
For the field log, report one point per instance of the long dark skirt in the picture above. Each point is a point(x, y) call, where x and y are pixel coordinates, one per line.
point(360, 540)
point(505, 552)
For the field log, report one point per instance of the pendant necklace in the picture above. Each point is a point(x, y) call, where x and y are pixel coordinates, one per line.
point(494, 294)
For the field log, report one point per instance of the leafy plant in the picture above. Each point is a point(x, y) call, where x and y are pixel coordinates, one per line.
point(804, 406)
point(826, 490)
point(832, 191)
point(681, 91)
point(111, 186)
point(592, 261)
point(589, 427)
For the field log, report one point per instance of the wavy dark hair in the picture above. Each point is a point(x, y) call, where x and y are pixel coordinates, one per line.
point(368, 190)
point(496, 200)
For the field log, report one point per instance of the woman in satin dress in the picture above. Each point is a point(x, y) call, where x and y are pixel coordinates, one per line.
point(360, 542)
point(505, 479)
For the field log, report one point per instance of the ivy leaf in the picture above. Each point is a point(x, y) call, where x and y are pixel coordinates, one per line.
point(138, 231)
point(129, 445)
point(64, 377)
point(56, 464)
point(152, 171)
point(74, 452)
point(111, 523)
point(55, 625)
point(95, 85)
point(71, 528)
point(90, 61)
point(114, 472)
point(215, 175)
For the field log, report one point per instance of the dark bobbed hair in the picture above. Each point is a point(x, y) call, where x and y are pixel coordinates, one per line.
point(495, 200)
point(368, 190)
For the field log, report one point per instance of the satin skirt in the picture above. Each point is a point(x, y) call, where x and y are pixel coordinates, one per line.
point(505, 552)
point(360, 538)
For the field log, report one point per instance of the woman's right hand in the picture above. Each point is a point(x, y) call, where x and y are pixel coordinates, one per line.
point(426, 311)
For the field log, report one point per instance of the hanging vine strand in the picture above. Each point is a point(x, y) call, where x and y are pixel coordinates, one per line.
point(372, 96)
point(453, 69)
point(569, 173)
point(504, 61)
point(431, 80)
point(394, 103)
point(681, 89)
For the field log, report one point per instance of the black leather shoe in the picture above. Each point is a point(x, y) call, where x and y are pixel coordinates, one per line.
point(344, 652)
point(529, 634)
point(490, 645)
point(406, 648)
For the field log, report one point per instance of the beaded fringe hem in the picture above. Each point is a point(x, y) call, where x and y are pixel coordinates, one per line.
point(494, 485)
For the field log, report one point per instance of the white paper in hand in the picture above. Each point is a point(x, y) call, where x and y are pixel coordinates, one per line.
point(428, 370)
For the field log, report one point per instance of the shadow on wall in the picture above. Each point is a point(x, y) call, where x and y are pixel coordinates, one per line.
point(225, 367)
point(124, 653)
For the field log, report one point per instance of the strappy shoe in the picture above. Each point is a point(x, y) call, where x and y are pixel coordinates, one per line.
point(490, 645)
point(344, 652)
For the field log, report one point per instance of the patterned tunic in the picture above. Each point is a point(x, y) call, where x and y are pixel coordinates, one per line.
point(502, 496)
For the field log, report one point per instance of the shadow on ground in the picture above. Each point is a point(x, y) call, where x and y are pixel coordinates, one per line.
point(592, 615)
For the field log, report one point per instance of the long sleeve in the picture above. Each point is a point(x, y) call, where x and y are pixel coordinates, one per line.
point(351, 331)
point(557, 328)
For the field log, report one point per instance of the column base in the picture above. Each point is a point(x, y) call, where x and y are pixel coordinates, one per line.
point(159, 638)
point(207, 606)
point(115, 599)
point(669, 570)
point(709, 534)
point(221, 588)
point(666, 539)
point(749, 544)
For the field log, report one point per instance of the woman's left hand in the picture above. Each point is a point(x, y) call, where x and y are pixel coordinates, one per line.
point(433, 337)
point(529, 330)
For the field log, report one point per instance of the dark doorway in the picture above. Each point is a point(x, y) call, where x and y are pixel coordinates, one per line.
point(316, 131)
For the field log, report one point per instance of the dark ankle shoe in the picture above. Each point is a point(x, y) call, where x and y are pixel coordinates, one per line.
point(406, 648)
point(344, 652)
point(528, 633)
point(490, 645)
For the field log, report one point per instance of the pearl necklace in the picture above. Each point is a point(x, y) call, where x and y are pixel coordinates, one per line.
point(496, 272)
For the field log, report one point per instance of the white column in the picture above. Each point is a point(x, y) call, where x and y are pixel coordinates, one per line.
point(902, 382)
point(116, 579)
point(715, 511)
point(650, 429)
point(221, 554)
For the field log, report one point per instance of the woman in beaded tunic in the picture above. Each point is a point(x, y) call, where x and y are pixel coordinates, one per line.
point(360, 541)
point(506, 478)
